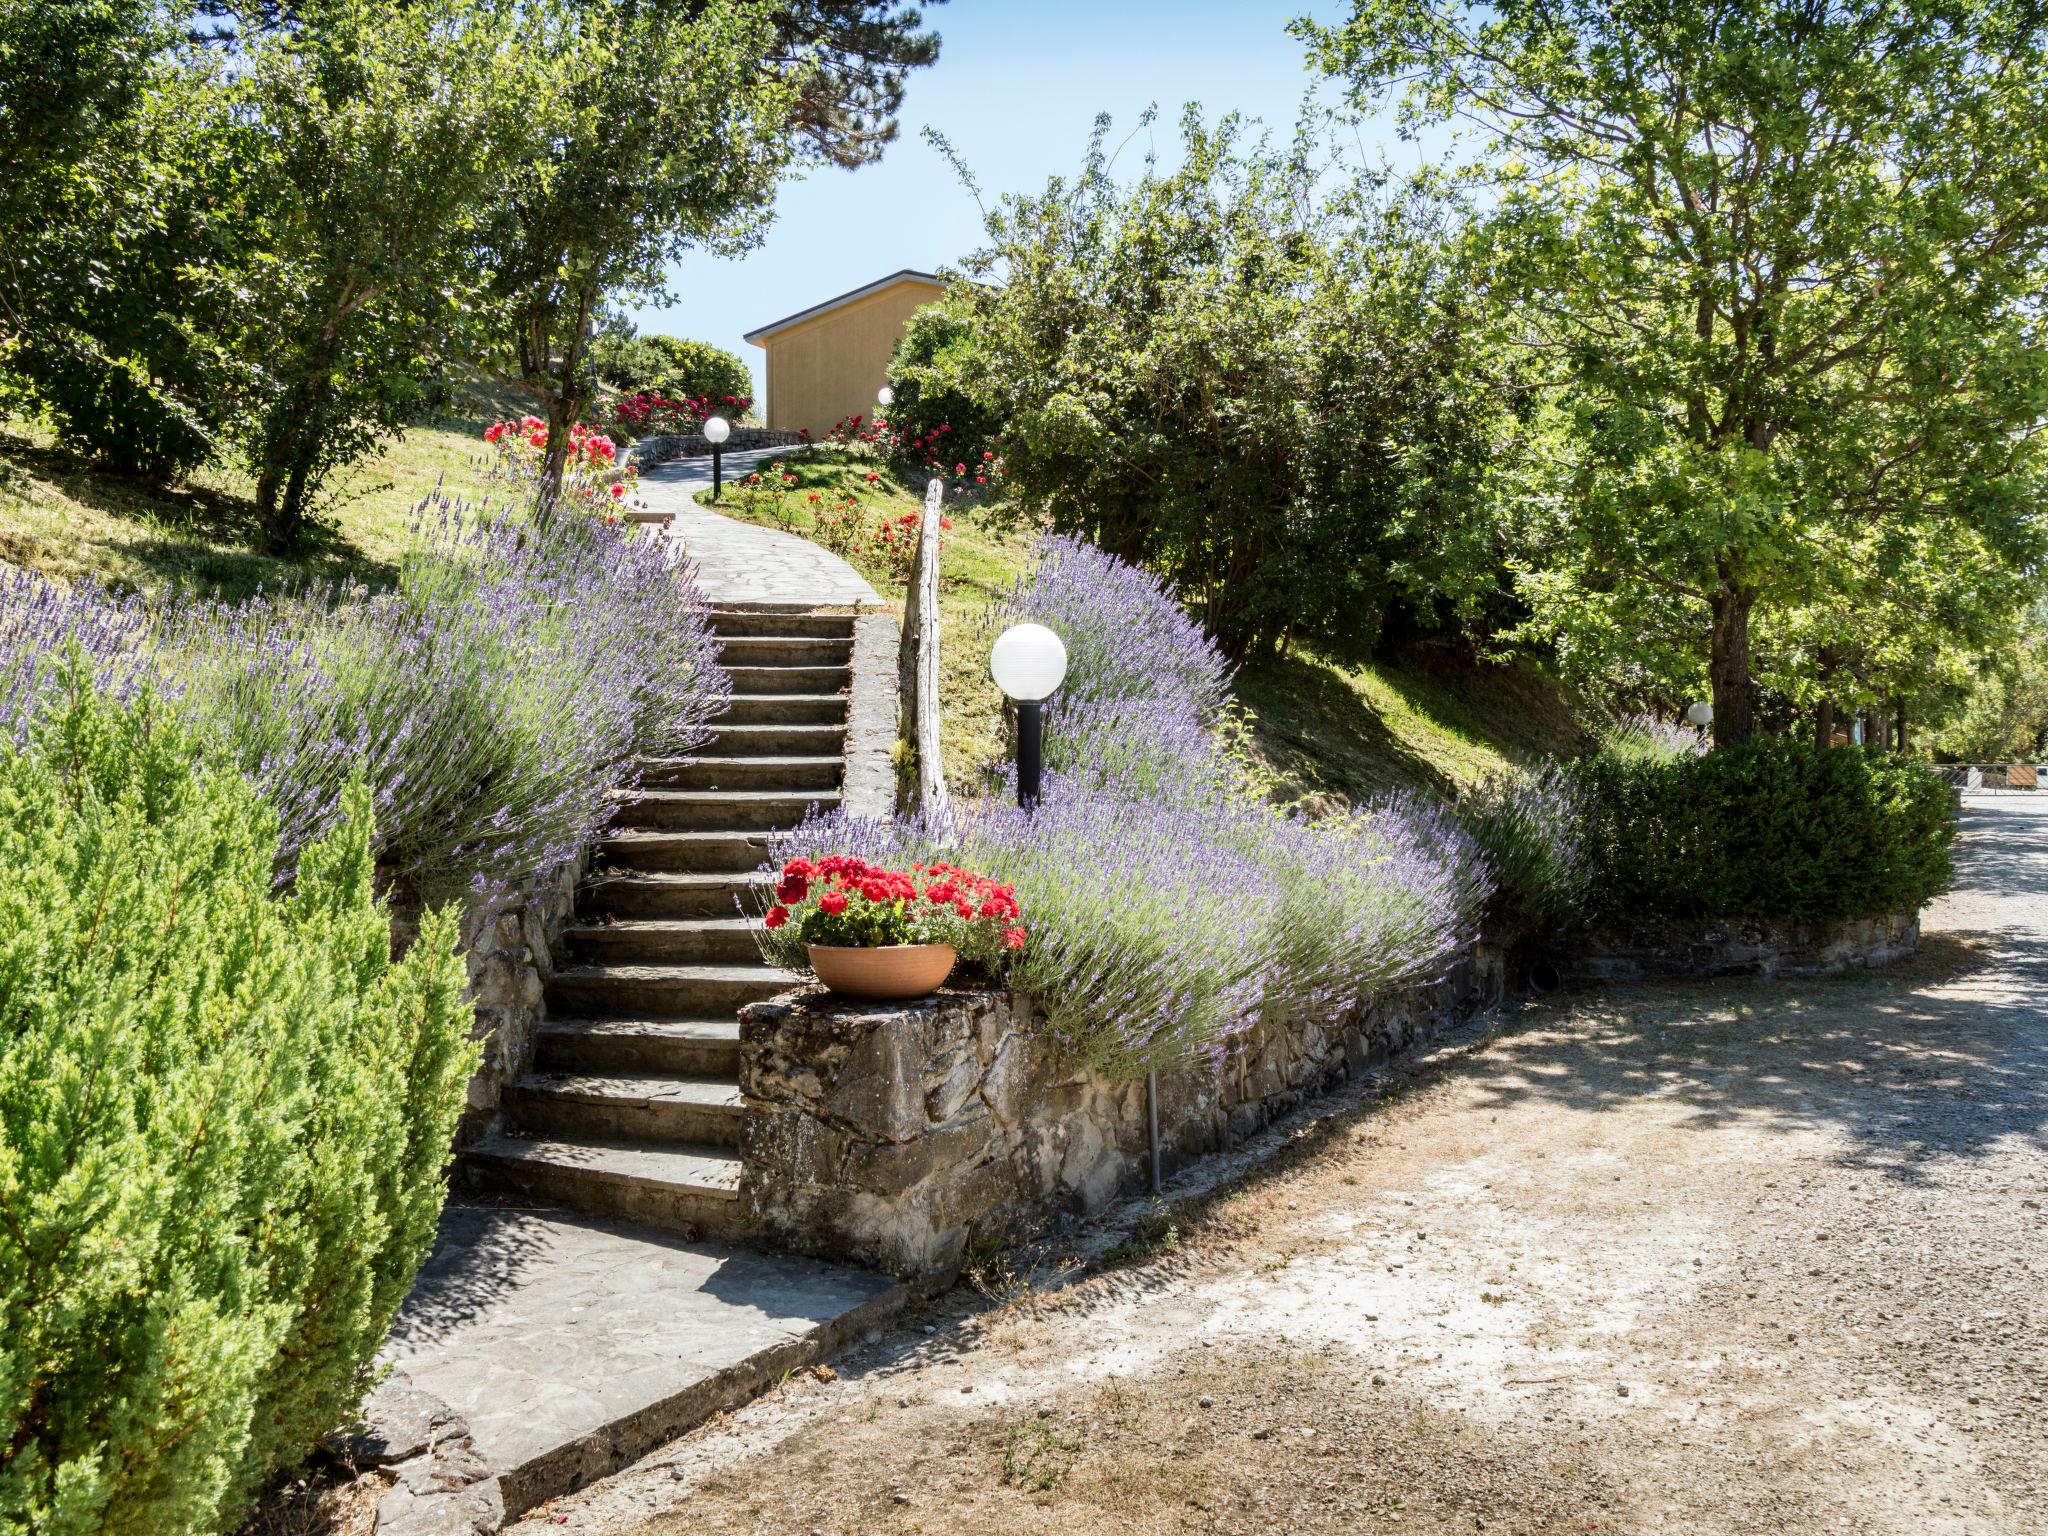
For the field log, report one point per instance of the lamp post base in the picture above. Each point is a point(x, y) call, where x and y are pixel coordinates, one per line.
point(1030, 752)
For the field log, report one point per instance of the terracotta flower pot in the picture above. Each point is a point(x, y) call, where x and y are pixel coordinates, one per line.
point(893, 973)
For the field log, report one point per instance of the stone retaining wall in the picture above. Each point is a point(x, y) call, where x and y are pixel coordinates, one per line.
point(905, 1136)
point(1676, 950)
point(509, 947)
point(662, 447)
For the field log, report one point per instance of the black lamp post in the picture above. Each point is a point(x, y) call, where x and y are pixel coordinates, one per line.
point(716, 430)
point(1028, 663)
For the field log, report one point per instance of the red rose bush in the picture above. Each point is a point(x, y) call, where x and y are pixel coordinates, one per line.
point(848, 902)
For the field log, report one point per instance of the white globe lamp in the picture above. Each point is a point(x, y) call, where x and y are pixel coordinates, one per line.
point(1028, 662)
point(716, 430)
point(1700, 715)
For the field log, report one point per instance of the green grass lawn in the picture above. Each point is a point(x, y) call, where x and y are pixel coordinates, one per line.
point(1437, 720)
point(62, 515)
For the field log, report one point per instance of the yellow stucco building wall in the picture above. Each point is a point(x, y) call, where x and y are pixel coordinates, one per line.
point(826, 362)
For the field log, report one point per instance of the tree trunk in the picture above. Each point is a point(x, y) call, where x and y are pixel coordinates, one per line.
point(1728, 667)
point(1902, 727)
point(1824, 724)
point(267, 484)
point(296, 488)
point(557, 462)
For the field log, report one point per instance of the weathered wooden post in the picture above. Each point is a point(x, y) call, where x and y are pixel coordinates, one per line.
point(917, 660)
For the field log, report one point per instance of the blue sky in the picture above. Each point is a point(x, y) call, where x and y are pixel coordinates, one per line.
point(1016, 89)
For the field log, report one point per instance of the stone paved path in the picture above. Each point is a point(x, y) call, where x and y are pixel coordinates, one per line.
point(1741, 1257)
point(738, 562)
point(571, 1343)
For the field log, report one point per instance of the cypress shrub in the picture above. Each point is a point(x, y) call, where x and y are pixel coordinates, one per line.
point(225, 1115)
point(1772, 830)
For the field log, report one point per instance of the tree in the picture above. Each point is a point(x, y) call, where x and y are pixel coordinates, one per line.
point(1780, 266)
point(1255, 385)
point(848, 58)
point(667, 129)
point(362, 149)
point(669, 366)
point(94, 230)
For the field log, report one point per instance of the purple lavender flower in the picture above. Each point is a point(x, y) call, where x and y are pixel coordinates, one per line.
point(1531, 827)
point(1126, 633)
point(496, 701)
point(41, 622)
point(1168, 909)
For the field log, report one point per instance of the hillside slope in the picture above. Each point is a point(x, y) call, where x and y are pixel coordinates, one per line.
point(1439, 720)
point(62, 515)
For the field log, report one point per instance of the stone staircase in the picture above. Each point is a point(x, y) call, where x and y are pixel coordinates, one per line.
point(632, 1109)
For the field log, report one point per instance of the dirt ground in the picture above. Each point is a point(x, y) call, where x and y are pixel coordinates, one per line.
point(1735, 1257)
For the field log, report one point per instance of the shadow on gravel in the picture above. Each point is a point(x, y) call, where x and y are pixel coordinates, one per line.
point(1944, 1055)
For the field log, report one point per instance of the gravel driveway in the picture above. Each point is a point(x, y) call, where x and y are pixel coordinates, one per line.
point(1738, 1257)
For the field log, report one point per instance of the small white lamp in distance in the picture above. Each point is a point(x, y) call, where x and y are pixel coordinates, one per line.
point(716, 430)
point(1700, 715)
point(885, 397)
point(1028, 662)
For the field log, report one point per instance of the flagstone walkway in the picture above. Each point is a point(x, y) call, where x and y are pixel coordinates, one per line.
point(738, 562)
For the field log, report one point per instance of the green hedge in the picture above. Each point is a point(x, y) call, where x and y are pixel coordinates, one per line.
point(225, 1114)
point(669, 366)
point(1771, 830)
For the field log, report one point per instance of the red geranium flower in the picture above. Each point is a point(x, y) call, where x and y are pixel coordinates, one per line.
point(776, 917)
point(832, 901)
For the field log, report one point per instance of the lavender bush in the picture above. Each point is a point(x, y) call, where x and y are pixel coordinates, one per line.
point(42, 623)
point(1531, 826)
point(1169, 908)
point(1126, 633)
point(1647, 736)
point(495, 701)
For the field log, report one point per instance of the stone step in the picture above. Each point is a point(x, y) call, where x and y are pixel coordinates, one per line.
point(810, 681)
point(738, 623)
point(784, 709)
point(663, 991)
point(711, 940)
point(755, 772)
point(733, 853)
point(723, 810)
point(691, 1047)
point(784, 651)
point(626, 897)
point(674, 1188)
point(695, 1111)
point(733, 741)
